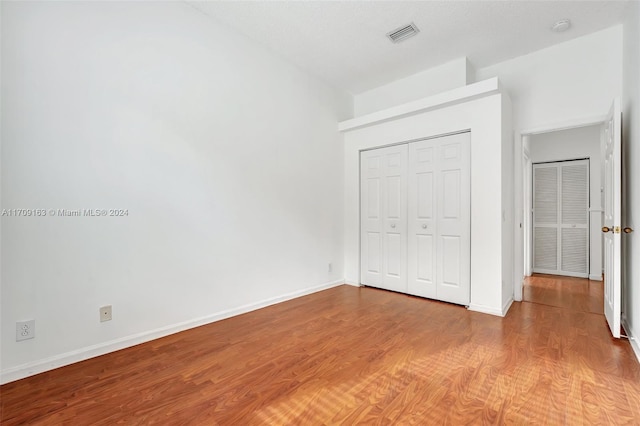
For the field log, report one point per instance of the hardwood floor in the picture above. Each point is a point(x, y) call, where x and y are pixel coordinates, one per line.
point(578, 294)
point(358, 355)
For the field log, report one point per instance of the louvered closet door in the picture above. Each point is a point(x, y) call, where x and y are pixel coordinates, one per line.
point(383, 209)
point(439, 212)
point(561, 218)
point(545, 218)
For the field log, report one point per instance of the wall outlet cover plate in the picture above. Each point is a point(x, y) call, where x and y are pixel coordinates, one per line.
point(25, 330)
point(105, 313)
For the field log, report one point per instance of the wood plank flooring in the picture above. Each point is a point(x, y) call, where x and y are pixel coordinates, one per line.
point(358, 356)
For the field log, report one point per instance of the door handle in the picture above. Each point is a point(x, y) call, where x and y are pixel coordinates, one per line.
point(393, 225)
point(627, 230)
point(607, 229)
point(424, 226)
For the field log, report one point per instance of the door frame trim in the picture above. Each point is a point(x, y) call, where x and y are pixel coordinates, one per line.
point(520, 136)
point(586, 160)
point(415, 140)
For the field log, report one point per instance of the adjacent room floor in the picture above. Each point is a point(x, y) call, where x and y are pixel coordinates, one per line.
point(351, 355)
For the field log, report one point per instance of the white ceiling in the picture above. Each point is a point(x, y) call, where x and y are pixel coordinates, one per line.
point(344, 42)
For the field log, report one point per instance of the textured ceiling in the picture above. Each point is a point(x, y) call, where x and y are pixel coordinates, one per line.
point(344, 42)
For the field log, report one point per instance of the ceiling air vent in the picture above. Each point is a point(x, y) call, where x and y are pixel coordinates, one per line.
point(403, 33)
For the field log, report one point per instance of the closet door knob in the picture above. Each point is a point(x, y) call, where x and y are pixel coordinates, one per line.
point(393, 225)
point(627, 230)
point(606, 229)
point(424, 226)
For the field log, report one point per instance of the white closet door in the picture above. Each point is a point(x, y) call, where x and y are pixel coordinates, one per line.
point(439, 219)
point(574, 213)
point(561, 218)
point(545, 218)
point(383, 212)
point(422, 262)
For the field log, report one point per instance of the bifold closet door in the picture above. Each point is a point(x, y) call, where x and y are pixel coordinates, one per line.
point(383, 209)
point(415, 218)
point(439, 221)
point(561, 218)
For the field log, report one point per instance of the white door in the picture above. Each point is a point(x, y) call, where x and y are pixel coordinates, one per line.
point(545, 218)
point(611, 149)
point(561, 218)
point(383, 181)
point(574, 218)
point(439, 212)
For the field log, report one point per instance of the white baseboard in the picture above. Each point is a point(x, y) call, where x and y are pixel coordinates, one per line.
point(492, 311)
point(485, 310)
point(353, 283)
point(595, 277)
point(506, 306)
point(564, 273)
point(633, 338)
point(56, 361)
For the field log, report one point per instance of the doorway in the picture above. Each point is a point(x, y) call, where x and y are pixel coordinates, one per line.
point(604, 216)
point(559, 146)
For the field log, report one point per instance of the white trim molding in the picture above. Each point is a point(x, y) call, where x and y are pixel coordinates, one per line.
point(506, 307)
point(565, 125)
point(633, 337)
point(40, 366)
point(491, 311)
point(450, 97)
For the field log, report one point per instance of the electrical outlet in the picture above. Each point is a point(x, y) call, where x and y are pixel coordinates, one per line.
point(25, 330)
point(105, 313)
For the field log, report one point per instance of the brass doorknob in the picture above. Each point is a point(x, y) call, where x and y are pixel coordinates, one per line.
point(606, 229)
point(627, 230)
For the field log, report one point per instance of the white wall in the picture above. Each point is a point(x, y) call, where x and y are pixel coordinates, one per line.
point(508, 187)
point(484, 118)
point(568, 81)
point(226, 157)
point(439, 79)
point(582, 142)
point(631, 184)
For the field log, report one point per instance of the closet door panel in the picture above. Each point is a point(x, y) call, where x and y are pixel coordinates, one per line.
point(424, 268)
point(383, 217)
point(395, 218)
point(421, 210)
point(545, 249)
point(373, 259)
point(546, 238)
point(574, 213)
point(451, 194)
point(439, 219)
point(423, 193)
point(574, 255)
point(453, 217)
point(394, 254)
point(451, 257)
point(371, 217)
